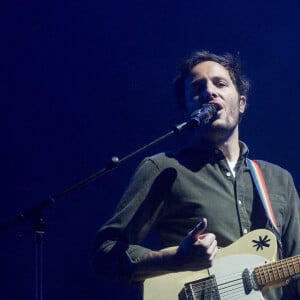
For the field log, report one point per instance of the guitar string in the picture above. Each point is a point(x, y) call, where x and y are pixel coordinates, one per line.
point(267, 273)
point(230, 294)
point(227, 277)
point(233, 289)
point(222, 286)
point(237, 293)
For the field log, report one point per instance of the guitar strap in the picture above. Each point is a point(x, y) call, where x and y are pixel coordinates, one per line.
point(261, 187)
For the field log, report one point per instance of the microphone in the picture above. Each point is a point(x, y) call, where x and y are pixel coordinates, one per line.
point(203, 115)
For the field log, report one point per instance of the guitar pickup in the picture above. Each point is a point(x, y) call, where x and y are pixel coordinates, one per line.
point(249, 282)
point(205, 288)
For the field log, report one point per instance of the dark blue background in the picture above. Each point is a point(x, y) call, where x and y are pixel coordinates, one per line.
point(82, 81)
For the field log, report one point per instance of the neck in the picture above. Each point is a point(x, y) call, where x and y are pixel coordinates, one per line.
point(231, 152)
point(228, 144)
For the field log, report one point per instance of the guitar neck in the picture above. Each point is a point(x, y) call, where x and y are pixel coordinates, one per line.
point(276, 272)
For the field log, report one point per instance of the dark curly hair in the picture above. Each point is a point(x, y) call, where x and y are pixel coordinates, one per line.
point(229, 62)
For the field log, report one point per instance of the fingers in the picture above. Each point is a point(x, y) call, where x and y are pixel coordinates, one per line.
point(198, 229)
point(196, 241)
point(207, 248)
point(207, 243)
point(212, 250)
point(197, 250)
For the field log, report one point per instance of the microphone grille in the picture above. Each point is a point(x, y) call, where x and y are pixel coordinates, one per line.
point(203, 115)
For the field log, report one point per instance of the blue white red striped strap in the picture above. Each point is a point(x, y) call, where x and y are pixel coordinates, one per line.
point(262, 190)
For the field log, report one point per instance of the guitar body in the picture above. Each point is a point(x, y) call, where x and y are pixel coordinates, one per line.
point(227, 276)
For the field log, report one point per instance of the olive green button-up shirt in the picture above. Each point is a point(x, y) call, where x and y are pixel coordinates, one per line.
point(171, 193)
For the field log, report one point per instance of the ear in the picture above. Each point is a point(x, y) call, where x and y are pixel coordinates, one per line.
point(243, 104)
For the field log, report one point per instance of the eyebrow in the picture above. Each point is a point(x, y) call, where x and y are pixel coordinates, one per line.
point(202, 80)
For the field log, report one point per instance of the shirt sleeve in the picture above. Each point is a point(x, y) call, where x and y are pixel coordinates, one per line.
point(117, 248)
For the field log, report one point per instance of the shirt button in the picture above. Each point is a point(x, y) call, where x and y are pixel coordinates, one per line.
point(245, 231)
point(228, 174)
point(240, 202)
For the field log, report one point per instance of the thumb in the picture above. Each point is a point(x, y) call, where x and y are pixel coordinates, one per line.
point(198, 229)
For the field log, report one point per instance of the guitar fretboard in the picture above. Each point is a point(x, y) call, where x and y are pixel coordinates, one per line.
point(277, 271)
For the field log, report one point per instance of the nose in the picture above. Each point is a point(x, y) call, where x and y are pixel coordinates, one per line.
point(209, 92)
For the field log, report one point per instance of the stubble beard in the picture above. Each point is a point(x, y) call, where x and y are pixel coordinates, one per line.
point(216, 134)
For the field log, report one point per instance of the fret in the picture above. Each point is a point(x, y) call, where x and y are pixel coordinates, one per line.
point(281, 270)
point(294, 266)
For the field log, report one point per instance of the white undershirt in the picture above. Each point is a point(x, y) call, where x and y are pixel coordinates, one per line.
point(231, 165)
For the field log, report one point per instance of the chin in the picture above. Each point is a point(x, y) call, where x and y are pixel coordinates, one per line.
point(214, 132)
point(217, 122)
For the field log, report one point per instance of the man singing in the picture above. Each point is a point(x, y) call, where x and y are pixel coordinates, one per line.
point(202, 197)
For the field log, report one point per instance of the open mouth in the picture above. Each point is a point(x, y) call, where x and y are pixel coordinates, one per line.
point(219, 109)
point(217, 105)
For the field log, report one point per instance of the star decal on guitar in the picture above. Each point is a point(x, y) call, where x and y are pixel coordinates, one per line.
point(263, 242)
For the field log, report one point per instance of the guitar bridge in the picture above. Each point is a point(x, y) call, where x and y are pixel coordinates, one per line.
point(205, 288)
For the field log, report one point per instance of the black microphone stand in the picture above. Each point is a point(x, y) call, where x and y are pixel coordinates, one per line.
point(35, 215)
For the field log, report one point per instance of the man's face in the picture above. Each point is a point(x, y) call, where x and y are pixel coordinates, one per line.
point(210, 82)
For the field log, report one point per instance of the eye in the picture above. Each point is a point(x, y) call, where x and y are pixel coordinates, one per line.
point(196, 91)
point(221, 83)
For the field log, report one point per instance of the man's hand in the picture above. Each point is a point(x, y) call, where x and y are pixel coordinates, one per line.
point(197, 250)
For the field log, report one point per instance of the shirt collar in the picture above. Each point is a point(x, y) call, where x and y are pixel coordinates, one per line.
point(213, 153)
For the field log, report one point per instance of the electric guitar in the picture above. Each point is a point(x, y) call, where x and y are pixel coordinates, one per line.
point(242, 271)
